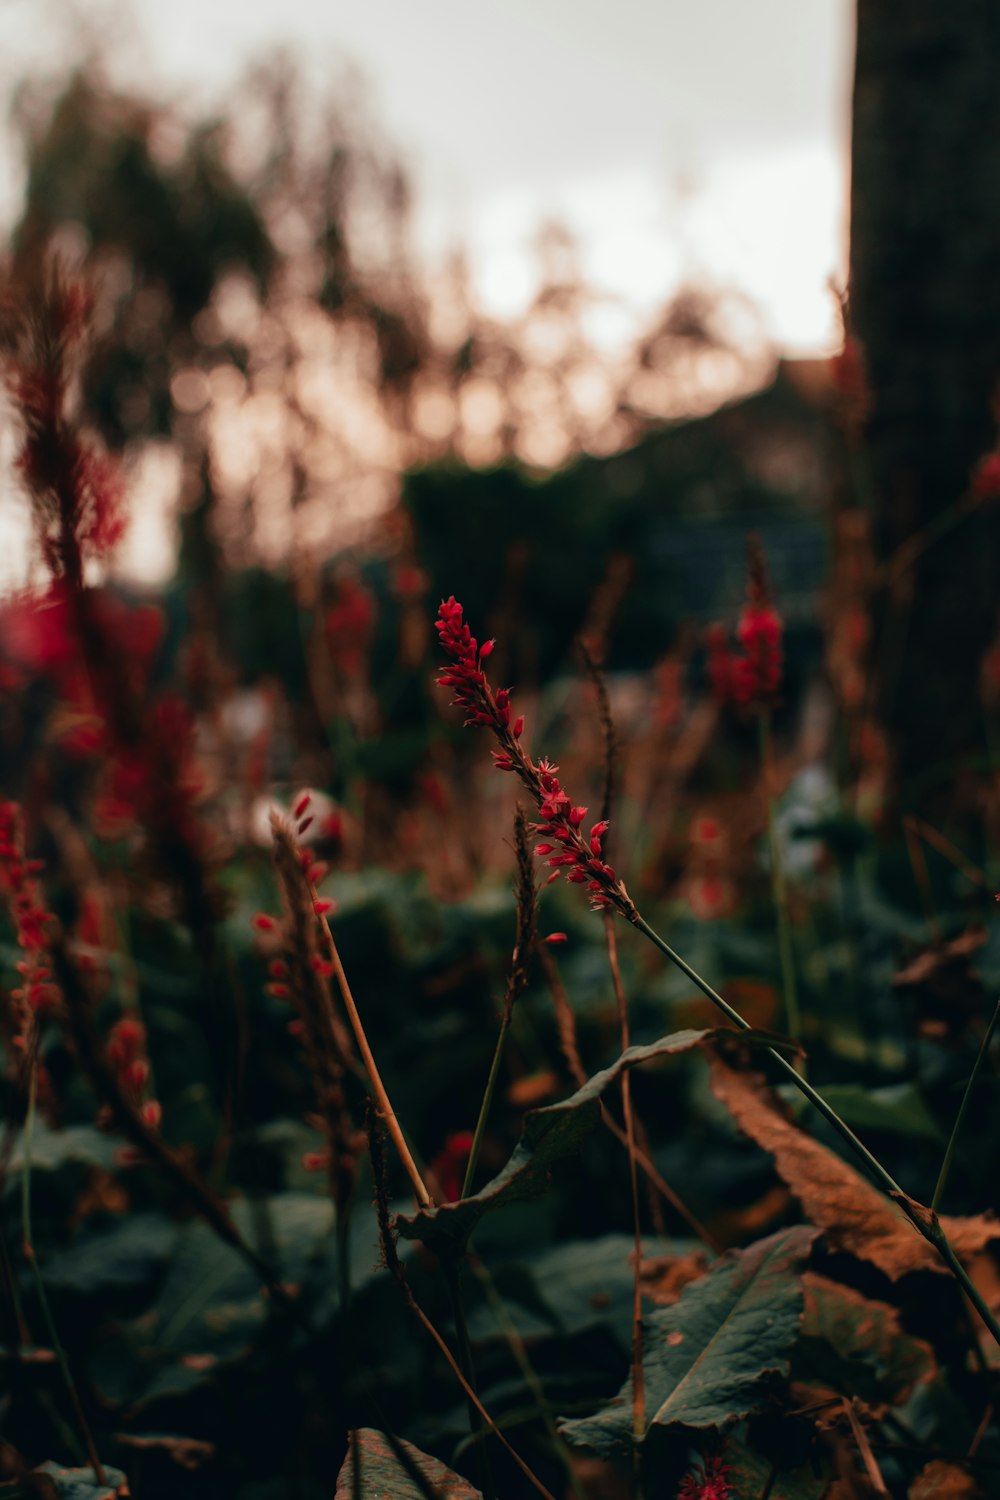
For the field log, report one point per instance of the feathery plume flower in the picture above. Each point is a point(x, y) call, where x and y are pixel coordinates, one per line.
point(563, 844)
point(77, 491)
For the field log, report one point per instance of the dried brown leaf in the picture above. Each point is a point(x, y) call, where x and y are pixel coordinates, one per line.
point(853, 1214)
point(944, 1481)
point(664, 1277)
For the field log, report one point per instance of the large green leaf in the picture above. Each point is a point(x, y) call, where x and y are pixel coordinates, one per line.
point(709, 1358)
point(547, 1136)
point(384, 1475)
point(209, 1309)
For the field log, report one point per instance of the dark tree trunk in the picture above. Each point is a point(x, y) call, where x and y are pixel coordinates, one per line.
point(925, 303)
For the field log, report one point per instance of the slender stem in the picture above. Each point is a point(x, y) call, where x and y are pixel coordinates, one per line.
point(484, 1108)
point(32, 1259)
point(949, 1154)
point(638, 1372)
point(779, 893)
point(531, 1380)
point(385, 1108)
point(452, 1271)
point(532, 1478)
point(923, 1220)
point(566, 1024)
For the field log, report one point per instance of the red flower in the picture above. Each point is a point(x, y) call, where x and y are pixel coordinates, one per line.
point(450, 1163)
point(711, 1484)
point(565, 847)
point(757, 674)
point(752, 680)
point(986, 477)
point(349, 624)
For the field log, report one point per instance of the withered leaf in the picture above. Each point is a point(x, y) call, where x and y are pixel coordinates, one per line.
point(855, 1345)
point(850, 1210)
point(944, 1481)
point(664, 1277)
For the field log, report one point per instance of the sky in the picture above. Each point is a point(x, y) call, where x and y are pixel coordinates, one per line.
point(678, 140)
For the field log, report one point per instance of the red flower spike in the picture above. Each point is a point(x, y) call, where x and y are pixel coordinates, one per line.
point(263, 922)
point(301, 804)
point(322, 907)
point(32, 922)
point(555, 938)
point(560, 825)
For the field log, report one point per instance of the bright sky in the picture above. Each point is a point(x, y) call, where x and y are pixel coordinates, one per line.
point(675, 138)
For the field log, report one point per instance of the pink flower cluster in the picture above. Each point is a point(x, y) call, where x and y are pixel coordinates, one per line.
point(563, 844)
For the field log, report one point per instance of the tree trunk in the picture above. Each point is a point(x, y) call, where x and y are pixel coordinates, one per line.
point(925, 304)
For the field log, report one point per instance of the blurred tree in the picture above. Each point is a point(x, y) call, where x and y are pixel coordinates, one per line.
point(925, 305)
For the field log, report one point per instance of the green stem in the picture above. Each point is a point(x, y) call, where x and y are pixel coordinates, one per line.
point(887, 1183)
point(925, 1222)
point(484, 1108)
point(949, 1154)
point(32, 1259)
point(778, 891)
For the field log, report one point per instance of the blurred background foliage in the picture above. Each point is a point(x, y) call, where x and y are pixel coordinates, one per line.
point(322, 441)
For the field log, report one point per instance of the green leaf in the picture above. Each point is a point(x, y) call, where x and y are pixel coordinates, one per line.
point(77, 1146)
point(896, 1109)
point(385, 1476)
point(547, 1136)
point(708, 1358)
point(111, 1255)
